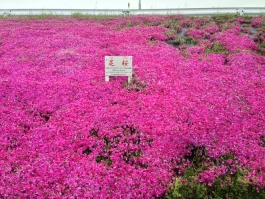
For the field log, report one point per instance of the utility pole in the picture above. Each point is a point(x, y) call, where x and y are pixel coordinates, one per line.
point(139, 6)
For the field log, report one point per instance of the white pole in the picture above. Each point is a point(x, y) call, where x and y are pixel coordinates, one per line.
point(139, 5)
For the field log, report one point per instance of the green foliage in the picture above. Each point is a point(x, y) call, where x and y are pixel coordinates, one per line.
point(261, 49)
point(78, 15)
point(231, 184)
point(129, 136)
point(94, 132)
point(38, 16)
point(190, 40)
point(186, 40)
point(44, 15)
point(92, 16)
point(221, 19)
point(127, 156)
point(87, 151)
point(245, 25)
point(216, 48)
point(248, 18)
point(238, 188)
point(175, 189)
point(175, 26)
point(129, 25)
point(171, 34)
point(262, 26)
point(178, 41)
point(107, 160)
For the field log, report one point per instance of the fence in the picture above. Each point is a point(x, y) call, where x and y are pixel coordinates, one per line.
point(184, 11)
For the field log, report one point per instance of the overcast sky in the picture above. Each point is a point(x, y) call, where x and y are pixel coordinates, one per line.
point(122, 4)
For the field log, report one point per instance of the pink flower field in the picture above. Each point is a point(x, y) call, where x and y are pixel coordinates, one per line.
point(66, 133)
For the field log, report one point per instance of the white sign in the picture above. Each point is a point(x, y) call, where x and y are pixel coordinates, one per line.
point(118, 66)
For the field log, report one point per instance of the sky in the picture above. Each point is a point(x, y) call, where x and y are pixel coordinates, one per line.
point(123, 4)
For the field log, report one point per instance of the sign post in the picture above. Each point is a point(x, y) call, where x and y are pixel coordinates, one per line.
point(118, 66)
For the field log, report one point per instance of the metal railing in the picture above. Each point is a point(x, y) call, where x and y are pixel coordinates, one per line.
point(184, 11)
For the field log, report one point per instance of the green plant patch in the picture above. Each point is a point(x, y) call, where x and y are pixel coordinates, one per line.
point(262, 26)
point(186, 40)
point(171, 34)
point(38, 16)
point(217, 48)
point(261, 49)
point(248, 19)
point(213, 178)
point(221, 19)
point(91, 16)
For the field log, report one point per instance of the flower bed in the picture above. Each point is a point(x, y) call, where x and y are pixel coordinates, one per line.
point(66, 133)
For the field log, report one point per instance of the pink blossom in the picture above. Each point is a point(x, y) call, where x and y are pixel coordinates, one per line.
point(66, 133)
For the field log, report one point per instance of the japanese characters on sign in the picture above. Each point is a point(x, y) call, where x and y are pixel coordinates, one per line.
point(118, 66)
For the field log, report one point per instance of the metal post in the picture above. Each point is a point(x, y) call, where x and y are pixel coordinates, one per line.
point(139, 5)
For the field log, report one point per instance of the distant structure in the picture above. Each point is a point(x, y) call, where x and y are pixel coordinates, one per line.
point(139, 7)
point(7, 13)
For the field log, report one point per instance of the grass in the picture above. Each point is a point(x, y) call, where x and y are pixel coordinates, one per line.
point(40, 16)
point(186, 40)
point(223, 18)
point(231, 184)
point(44, 15)
point(247, 18)
point(263, 26)
point(218, 18)
point(216, 48)
point(33, 16)
point(261, 49)
point(93, 16)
